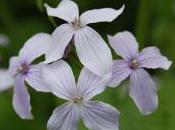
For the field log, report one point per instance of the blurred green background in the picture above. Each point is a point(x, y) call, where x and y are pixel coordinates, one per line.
point(153, 23)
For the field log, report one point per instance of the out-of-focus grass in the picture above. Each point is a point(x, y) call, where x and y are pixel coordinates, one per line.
point(153, 22)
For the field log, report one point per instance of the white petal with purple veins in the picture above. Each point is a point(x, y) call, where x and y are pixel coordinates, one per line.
point(100, 116)
point(93, 52)
point(6, 80)
point(120, 71)
point(90, 84)
point(151, 57)
point(61, 38)
point(100, 15)
point(35, 47)
point(21, 99)
point(35, 80)
point(66, 10)
point(142, 90)
point(59, 77)
point(65, 117)
point(124, 44)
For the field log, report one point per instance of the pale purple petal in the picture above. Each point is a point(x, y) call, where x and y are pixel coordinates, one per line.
point(89, 84)
point(92, 51)
point(59, 77)
point(120, 72)
point(64, 117)
point(21, 99)
point(35, 80)
point(35, 47)
point(100, 116)
point(142, 90)
point(6, 80)
point(15, 62)
point(124, 44)
point(100, 15)
point(151, 57)
point(66, 10)
point(61, 38)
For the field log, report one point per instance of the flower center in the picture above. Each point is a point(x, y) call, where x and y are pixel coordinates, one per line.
point(76, 24)
point(23, 69)
point(134, 64)
point(78, 100)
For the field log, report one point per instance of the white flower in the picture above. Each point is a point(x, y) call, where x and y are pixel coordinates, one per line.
point(96, 115)
point(23, 70)
point(91, 49)
point(142, 89)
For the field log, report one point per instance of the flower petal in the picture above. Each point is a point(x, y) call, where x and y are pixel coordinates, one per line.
point(151, 57)
point(143, 91)
point(89, 84)
point(100, 116)
point(14, 65)
point(6, 80)
point(64, 117)
point(66, 10)
point(21, 99)
point(61, 38)
point(93, 52)
point(59, 77)
point(100, 15)
point(35, 80)
point(124, 44)
point(35, 47)
point(120, 72)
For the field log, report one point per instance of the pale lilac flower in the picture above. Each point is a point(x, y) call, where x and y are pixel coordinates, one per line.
point(6, 80)
point(23, 70)
point(91, 49)
point(142, 89)
point(4, 40)
point(96, 115)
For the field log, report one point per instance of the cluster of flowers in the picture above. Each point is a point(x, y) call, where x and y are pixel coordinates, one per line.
point(100, 70)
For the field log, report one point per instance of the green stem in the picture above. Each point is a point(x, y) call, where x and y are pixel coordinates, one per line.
point(6, 15)
point(40, 5)
point(143, 20)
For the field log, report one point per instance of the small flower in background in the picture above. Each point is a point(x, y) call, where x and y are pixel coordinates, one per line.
point(142, 89)
point(4, 40)
point(22, 69)
point(96, 115)
point(91, 49)
point(6, 80)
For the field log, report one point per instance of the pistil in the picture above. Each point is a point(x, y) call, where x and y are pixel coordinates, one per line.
point(77, 100)
point(134, 64)
point(23, 69)
point(76, 24)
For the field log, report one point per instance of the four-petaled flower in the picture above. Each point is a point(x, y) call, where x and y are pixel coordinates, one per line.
point(91, 49)
point(96, 115)
point(22, 69)
point(142, 89)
